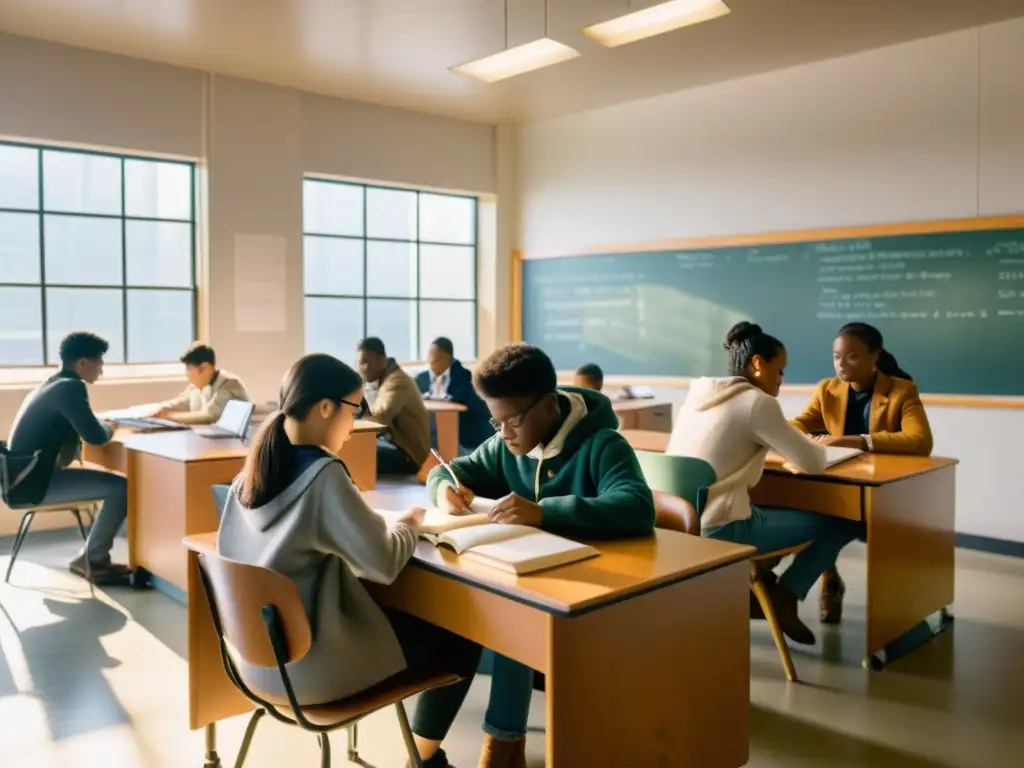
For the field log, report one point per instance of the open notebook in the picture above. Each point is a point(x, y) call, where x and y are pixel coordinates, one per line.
point(833, 455)
point(517, 549)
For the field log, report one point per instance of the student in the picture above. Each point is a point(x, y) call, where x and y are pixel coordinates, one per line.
point(54, 419)
point(732, 423)
point(293, 509)
point(392, 399)
point(447, 379)
point(208, 391)
point(589, 376)
point(871, 404)
point(557, 463)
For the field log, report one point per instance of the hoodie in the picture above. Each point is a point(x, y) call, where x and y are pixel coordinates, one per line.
point(321, 533)
point(586, 479)
point(732, 425)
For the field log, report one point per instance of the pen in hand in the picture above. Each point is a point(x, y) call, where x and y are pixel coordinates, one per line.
point(458, 497)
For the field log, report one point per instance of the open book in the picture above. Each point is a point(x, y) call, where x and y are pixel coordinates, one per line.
point(833, 455)
point(518, 549)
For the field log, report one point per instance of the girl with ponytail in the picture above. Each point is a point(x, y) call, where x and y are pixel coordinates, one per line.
point(871, 404)
point(294, 509)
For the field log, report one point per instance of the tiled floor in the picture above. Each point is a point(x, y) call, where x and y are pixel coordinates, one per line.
point(101, 682)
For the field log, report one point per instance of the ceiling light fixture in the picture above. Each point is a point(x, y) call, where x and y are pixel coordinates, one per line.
point(510, 62)
point(656, 20)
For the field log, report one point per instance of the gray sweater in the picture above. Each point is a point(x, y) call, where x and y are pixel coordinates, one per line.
point(322, 534)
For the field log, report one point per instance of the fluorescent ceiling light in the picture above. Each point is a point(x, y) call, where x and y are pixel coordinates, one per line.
point(655, 20)
point(515, 61)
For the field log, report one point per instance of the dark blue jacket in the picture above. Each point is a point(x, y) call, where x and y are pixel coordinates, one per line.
point(474, 424)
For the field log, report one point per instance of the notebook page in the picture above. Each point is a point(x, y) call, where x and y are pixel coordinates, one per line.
point(471, 537)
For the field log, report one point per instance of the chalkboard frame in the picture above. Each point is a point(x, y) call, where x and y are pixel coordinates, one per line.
point(938, 226)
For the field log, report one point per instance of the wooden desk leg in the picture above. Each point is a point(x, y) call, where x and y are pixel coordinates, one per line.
point(447, 434)
point(661, 679)
point(911, 563)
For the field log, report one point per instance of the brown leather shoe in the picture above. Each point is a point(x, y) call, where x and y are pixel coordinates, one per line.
point(503, 753)
point(785, 604)
point(830, 601)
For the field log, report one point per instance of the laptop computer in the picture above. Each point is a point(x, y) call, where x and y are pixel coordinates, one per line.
point(233, 422)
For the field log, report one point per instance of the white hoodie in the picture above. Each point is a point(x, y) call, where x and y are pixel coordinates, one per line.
point(732, 425)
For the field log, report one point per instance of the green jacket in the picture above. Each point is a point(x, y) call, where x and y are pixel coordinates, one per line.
point(587, 479)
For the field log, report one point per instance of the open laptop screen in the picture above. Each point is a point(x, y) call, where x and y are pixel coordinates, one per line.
point(235, 416)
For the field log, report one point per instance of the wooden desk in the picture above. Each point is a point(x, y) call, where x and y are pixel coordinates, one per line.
point(169, 478)
point(645, 648)
point(646, 440)
point(908, 506)
point(649, 415)
point(446, 416)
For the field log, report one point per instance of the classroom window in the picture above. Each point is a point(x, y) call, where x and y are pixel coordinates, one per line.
point(98, 242)
point(395, 263)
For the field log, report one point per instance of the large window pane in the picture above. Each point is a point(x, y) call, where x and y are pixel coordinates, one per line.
point(334, 326)
point(390, 268)
point(390, 213)
point(329, 208)
point(19, 177)
point(79, 183)
point(447, 272)
point(159, 325)
point(21, 326)
point(159, 253)
point(82, 250)
point(454, 319)
point(447, 219)
point(393, 321)
point(157, 190)
point(333, 266)
point(19, 248)
point(84, 309)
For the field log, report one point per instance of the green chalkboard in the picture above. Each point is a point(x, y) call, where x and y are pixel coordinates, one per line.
point(950, 305)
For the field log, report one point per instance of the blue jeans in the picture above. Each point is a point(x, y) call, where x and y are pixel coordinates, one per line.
point(73, 484)
point(509, 705)
point(771, 528)
point(391, 460)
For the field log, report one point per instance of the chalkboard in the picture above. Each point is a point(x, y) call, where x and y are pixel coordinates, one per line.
point(950, 305)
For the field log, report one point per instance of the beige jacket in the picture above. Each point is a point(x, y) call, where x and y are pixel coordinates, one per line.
point(204, 406)
point(399, 407)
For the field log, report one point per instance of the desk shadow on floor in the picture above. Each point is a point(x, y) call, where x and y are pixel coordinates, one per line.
point(776, 739)
point(66, 659)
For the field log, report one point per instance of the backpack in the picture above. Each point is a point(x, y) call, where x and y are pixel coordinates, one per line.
point(14, 468)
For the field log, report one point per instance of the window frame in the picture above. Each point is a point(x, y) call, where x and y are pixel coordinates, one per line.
point(365, 239)
point(123, 218)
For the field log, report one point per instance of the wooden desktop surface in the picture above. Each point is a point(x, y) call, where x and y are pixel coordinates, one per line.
point(626, 405)
point(444, 406)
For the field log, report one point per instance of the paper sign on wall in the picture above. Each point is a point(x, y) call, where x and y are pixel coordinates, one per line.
point(260, 283)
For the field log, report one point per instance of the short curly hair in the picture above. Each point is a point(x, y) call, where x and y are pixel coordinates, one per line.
point(82, 344)
point(518, 370)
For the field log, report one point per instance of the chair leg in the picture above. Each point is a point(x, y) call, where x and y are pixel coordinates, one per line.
point(353, 742)
point(410, 742)
point(250, 731)
point(81, 526)
point(761, 593)
point(325, 751)
point(19, 538)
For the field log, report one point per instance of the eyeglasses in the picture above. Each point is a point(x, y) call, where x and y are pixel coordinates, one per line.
point(516, 421)
point(343, 401)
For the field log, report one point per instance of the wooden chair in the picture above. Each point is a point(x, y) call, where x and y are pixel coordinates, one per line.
point(259, 612)
point(690, 479)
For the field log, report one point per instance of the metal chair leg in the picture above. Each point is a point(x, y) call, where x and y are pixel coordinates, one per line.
point(81, 526)
point(19, 539)
point(410, 743)
point(250, 731)
point(353, 742)
point(761, 592)
point(325, 751)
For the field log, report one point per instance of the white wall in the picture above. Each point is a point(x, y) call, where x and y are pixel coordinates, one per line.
point(927, 130)
point(253, 142)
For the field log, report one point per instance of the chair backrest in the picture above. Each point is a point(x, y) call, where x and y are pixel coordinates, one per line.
point(220, 497)
point(675, 514)
point(14, 468)
point(250, 604)
point(682, 476)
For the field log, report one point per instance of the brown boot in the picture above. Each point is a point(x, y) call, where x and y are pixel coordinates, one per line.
point(831, 599)
point(503, 753)
point(785, 604)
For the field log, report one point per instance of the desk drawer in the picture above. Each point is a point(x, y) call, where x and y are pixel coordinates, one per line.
point(796, 492)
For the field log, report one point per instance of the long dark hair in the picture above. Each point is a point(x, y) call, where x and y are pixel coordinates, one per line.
point(871, 338)
point(745, 340)
point(312, 379)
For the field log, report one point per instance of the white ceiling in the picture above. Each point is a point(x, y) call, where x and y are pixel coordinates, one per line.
point(397, 52)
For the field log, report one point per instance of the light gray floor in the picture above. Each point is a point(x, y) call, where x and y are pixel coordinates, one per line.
point(101, 682)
